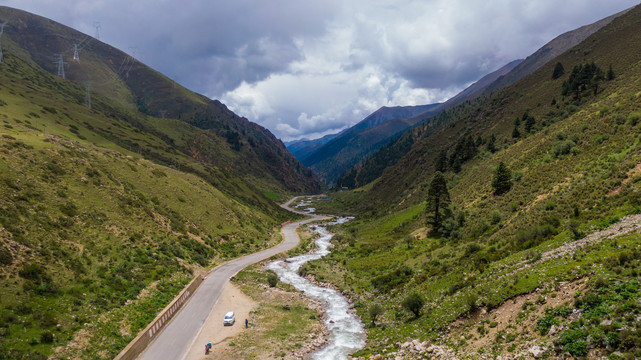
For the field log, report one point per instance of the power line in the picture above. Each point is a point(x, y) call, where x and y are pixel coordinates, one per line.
point(76, 55)
point(87, 94)
point(1, 31)
point(61, 66)
point(96, 24)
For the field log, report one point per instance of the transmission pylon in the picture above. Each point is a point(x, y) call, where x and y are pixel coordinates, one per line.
point(2, 25)
point(87, 94)
point(61, 66)
point(96, 24)
point(76, 55)
point(163, 112)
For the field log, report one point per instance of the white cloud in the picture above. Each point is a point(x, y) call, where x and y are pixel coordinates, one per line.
point(306, 68)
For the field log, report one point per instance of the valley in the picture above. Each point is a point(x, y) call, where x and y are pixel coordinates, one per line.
point(503, 223)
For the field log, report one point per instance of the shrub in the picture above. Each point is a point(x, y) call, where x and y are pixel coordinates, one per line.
point(46, 338)
point(69, 209)
point(272, 279)
point(413, 303)
point(603, 110)
point(5, 257)
point(576, 348)
point(574, 341)
point(599, 139)
point(471, 301)
point(159, 173)
point(472, 248)
point(32, 272)
point(55, 169)
point(589, 301)
point(496, 217)
point(634, 117)
point(374, 311)
point(564, 147)
point(386, 282)
point(544, 324)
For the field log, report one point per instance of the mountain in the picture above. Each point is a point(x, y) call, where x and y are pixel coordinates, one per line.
point(536, 241)
point(132, 85)
point(385, 114)
point(109, 205)
point(349, 147)
point(301, 149)
point(549, 51)
point(510, 73)
point(479, 87)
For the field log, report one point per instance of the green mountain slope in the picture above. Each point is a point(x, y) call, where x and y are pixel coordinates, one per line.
point(371, 168)
point(107, 212)
point(353, 145)
point(231, 142)
point(574, 172)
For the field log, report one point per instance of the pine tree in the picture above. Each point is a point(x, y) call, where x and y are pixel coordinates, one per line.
point(558, 71)
point(610, 75)
point(502, 181)
point(469, 150)
point(438, 197)
point(441, 162)
point(515, 133)
point(456, 164)
point(529, 124)
point(491, 144)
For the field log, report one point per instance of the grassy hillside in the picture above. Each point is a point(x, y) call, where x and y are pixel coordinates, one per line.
point(574, 172)
point(373, 167)
point(127, 86)
point(106, 212)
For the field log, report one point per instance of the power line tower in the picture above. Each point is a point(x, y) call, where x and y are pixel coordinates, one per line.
point(96, 24)
point(76, 55)
point(163, 112)
point(61, 66)
point(2, 25)
point(87, 94)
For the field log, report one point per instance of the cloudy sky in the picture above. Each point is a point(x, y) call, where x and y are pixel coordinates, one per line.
point(308, 68)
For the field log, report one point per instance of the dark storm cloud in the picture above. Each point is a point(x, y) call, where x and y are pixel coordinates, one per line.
point(197, 42)
point(305, 68)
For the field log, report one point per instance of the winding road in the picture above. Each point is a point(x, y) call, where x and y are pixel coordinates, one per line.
point(178, 336)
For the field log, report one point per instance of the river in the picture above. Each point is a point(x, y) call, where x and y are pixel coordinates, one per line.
point(346, 331)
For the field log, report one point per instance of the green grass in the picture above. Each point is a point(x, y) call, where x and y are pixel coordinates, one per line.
point(99, 207)
point(277, 330)
point(567, 170)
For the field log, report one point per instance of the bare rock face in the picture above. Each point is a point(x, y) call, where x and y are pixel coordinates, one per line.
point(553, 330)
point(536, 351)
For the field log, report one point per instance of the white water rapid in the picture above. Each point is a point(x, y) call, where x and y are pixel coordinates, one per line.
point(346, 331)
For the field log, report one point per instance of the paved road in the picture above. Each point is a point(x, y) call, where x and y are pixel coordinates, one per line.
point(178, 336)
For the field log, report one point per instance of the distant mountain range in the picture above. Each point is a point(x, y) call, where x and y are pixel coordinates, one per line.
point(332, 155)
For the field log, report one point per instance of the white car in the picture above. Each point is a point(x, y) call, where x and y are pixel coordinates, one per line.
point(230, 319)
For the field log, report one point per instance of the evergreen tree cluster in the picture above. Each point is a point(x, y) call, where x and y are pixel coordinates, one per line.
point(558, 71)
point(373, 167)
point(466, 149)
point(529, 124)
point(584, 77)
